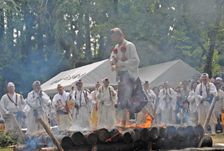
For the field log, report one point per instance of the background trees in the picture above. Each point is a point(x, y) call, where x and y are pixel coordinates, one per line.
point(39, 38)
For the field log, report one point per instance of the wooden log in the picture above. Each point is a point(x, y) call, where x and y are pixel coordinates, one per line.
point(47, 129)
point(103, 135)
point(67, 143)
point(78, 139)
point(91, 138)
point(207, 141)
point(129, 136)
point(116, 136)
point(144, 134)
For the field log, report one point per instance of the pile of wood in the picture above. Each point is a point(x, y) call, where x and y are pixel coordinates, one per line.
point(153, 138)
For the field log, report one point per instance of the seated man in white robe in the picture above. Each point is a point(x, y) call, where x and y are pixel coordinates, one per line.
point(205, 92)
point(13, 103)
point(81, 114)
point(106, 108)
point(37, 107)
point(64, 118)
point(167, 104)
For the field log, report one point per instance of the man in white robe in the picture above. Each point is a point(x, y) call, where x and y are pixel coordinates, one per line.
point(219, 105)
point(64, 118)
point(192, 99)
point(106, 108)
point(150, 108)
point(81, 114)
point(167, 104)
point(124, 60)
point(37, 107)
point(13, 103)
point(94, 106)
point(205, 92)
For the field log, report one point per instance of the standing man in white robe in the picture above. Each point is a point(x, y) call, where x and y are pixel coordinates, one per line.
point(64, 118)
point(219, 105)
point(106, 108)
point(37, 107)
point(205, 92)
point(192, 99)
point(124, 60)
point(81, 112)
point(167, 104)
point(13, 103)
point(150, 108)
point(94, 106)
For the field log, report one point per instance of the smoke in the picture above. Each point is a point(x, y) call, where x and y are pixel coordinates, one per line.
point(36, 66)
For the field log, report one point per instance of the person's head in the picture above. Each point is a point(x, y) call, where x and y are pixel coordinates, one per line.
point(79, 85)
point(36, 86)
point(117, 35)
point(204, 78)
point(166, 85)
point(106, 82)
point(97, 85)
point(60, 89)
point(11, 87)
point(218, 82)
point(194, 85)
point(146, 85)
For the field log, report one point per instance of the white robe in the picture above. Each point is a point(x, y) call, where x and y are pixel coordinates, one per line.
point(167, 105)
point(107, 111)
point(81, 114)
point(149, 108)
point(40, 103)
point(13, 106)
point(193, 115)
point(132, 62)
point(64, 120)
point(219, 105)
point(203, 106)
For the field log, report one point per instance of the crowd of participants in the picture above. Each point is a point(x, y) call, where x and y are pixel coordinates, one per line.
point(187, 103)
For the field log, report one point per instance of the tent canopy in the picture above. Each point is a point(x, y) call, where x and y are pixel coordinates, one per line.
point(89, 74)
point(172, 71)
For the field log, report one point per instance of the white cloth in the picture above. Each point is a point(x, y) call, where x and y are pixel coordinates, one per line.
point(106, 109)
point(219, 105)
point(132, 62)
point(193, 115)
point(167, 105)
point(15, 104)
point(39, 103)
point(204, 105)
point(63, 118)
point(81, 113)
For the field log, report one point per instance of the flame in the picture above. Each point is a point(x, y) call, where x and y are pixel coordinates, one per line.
point(146, 124)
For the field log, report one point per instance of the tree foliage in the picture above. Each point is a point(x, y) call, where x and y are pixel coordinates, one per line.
point(39, 38)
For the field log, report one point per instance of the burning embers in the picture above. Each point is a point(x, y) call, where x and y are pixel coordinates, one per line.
point(170, 137)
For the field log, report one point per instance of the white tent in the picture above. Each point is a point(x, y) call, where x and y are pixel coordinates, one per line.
point(89, 74)
point(172, 71)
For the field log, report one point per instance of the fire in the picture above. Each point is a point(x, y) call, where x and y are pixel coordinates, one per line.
point(146, 124)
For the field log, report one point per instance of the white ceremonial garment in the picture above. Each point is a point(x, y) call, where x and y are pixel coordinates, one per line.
point(203, 105)
point(106, 109)
point(193, 115)
point(167, 105)
point(81, 114)
point(64, 119)
point(13, 105)
point(132, 63)
point(219, 105)
point(37, 106)
point(149, 108)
